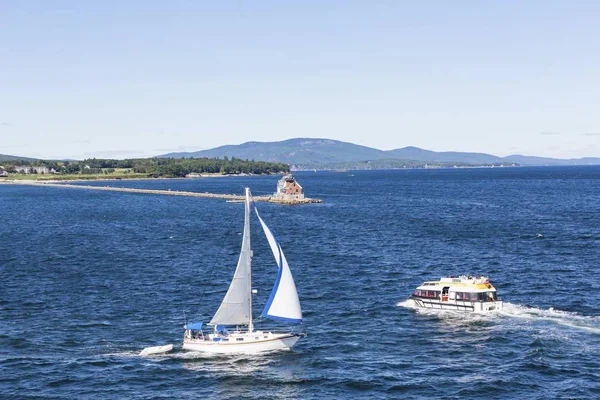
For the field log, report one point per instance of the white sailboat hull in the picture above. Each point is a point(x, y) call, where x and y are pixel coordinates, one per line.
point(250, 343)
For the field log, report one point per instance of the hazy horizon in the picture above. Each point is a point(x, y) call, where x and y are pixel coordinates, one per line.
point(139, 79)
point(191, 151)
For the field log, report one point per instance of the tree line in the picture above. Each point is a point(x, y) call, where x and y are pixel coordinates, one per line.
point(155, 167)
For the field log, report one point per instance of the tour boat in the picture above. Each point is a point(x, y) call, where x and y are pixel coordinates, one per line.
point(464, 293)
point(233, 328)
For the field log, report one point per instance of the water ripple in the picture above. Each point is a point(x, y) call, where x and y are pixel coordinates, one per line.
point(90, 279)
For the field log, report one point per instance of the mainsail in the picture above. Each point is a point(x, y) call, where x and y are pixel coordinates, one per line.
point(283, 303)
point(236, 308)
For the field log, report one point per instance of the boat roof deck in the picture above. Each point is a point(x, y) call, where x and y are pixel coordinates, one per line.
point(462, 285)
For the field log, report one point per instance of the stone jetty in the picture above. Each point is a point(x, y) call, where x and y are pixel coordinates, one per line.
point(228, 197)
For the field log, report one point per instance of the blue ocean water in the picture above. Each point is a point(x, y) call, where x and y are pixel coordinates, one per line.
point(89, 278)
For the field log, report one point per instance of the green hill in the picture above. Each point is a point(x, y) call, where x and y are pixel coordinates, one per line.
point(5, 157)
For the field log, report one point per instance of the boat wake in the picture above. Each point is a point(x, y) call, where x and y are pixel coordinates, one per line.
point(564, 318)
point(407, 304)
point(175, 352)
point(567, 319)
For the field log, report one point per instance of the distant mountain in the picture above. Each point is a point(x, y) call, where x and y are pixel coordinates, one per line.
point(292, 151)
point(313, 153)
point(417, 154)
point(532, 160)
point(5, 157)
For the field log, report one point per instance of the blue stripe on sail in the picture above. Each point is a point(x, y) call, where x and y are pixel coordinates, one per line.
point(265, 312)
point(276, 286)
point(279, 269)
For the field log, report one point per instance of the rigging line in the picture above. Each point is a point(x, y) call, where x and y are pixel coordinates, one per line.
point(217, 256)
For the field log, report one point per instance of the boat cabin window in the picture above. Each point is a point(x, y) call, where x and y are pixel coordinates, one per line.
point(240, 339)
point(466, 296)
point(427, 293)
point(487, 296)
point(491, 296)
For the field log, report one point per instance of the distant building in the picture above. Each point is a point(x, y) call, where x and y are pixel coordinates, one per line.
point(288, 189)
point(22, 169)
point(3, 171)
point(41, 169)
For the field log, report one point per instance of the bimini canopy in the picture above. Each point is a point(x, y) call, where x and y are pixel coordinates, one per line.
point(194, 326)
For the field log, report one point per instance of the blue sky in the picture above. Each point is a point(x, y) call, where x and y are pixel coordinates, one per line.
point(140, 78)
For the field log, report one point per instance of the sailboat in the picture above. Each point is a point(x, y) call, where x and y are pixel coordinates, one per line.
point(232, 325)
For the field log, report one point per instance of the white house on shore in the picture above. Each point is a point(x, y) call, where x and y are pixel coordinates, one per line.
point(288, 189)
point(40, 169)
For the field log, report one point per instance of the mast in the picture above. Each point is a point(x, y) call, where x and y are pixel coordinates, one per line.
point(247, 234)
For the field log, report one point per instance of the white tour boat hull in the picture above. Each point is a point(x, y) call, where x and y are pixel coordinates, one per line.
point(464, 306)
point(276, 342)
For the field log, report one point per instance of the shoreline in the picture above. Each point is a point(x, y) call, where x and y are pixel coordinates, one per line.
point(125, 178)
point(227, 197)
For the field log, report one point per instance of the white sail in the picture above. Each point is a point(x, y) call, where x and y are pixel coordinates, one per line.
point(283, 303)
point(236, 308)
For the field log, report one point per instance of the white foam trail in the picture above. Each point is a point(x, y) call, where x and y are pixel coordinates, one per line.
point(115, 354)
point(564, 318)
point(407, 304)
